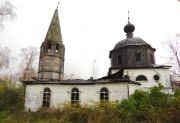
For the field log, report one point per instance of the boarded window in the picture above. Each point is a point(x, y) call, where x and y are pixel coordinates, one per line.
point(141, 78)
point(119, 60)
point(152, 59)
point(46, 97)
point(104, 94)
point(137, 56)
point(74, 95)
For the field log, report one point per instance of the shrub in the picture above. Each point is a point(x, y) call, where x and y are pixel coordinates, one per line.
point(177, 92)
point(11, 97)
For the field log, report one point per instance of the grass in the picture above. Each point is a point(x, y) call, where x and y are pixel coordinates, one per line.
point(107, 113)
point(141, 107)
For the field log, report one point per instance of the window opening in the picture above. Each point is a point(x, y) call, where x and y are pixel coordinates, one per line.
point(48, 47)
point(141, 78)
point(104, 94)
point(57, 47)
point(119, 59)
point(74, 95)
point(138, 56)
point(156, 77)
point(46, 97)
point(152, 59)
point(42, 48)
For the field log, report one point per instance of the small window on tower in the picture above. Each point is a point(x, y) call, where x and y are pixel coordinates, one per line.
point(152, 59)
point(42, 48)
point(119, 59)
point(48, 47)
point(137, 56)
point(57, 47)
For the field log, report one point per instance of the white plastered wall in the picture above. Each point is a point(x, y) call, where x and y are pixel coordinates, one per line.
point(61, 94)
point(149, 73)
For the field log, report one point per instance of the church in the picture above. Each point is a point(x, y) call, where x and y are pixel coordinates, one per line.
point(132, 67)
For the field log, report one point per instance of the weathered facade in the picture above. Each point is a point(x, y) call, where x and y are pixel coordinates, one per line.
point(132, 51)
point(132, 67)
point(88, 92)
point(51, 61)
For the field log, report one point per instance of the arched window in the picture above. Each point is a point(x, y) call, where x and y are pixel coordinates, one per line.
point(48, 47)
point(46, 97)
point(42, 48)
point(57, 47)
point(141, 78)
point(74, 95)
point(104, 94)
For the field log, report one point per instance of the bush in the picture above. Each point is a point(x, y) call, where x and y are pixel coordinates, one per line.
point(177, 92)
point(152, 106)
point(11, 97)
point(141, 107)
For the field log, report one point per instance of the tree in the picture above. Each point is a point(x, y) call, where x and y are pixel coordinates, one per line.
point(173, 47)
point(4, 57)
point(6, 11)
point(28, 66)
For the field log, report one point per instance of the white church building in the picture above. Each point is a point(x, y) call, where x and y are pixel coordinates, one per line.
point(132, 67)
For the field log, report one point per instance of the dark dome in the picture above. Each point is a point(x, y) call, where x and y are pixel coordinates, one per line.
point(130, 41)
point(129, 28)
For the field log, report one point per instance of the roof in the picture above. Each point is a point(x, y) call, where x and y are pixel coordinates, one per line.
point(131, 41)
point(155, 66)
point(82, 82)
point(113, 78)
point(54, 31)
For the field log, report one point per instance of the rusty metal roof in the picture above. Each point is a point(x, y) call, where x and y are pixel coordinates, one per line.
point(131, 41)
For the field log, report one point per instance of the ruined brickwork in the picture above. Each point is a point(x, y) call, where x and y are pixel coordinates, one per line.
point(51, 61)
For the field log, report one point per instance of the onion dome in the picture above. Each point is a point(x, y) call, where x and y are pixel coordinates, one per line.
point(130, 40)
point(129, 28)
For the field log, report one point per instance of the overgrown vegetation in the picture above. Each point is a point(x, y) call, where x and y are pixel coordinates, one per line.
point(11, 98)
point(143, 107)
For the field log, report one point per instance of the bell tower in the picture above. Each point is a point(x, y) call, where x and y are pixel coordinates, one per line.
point(51, 61)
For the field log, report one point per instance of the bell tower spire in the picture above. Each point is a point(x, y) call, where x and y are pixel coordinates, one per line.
point(51, 61)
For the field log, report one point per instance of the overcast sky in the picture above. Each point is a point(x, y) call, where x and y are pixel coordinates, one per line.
point(91, 28)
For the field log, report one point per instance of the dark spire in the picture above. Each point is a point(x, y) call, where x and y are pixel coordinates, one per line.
point(129, 28)
point(54, 31)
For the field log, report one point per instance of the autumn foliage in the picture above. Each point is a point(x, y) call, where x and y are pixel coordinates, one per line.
point(152, 106)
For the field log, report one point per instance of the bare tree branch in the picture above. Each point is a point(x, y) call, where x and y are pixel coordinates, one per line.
point(6, 11)
point(173, 47)
point(29, 56)
point(4, 57)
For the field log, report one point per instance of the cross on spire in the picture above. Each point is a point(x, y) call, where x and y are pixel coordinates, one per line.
point(128, 17)
point(58, 5)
